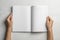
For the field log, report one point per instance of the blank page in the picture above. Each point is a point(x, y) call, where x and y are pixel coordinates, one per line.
point(39, 14)
point(22, 18)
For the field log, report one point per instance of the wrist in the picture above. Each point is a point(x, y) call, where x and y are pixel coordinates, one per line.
point(9, 29)
point(49, 30)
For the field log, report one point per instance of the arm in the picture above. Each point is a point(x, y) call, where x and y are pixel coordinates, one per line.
point(49, 24)
point(9, 28)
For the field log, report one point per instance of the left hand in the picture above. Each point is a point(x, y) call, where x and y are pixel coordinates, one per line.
point(9, 21)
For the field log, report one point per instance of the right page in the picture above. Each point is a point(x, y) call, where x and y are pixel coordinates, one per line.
point(39, 14)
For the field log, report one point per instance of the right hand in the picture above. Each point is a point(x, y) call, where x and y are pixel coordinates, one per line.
point(49, 23)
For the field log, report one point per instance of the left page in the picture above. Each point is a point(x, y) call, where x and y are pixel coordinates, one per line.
point(21, 18)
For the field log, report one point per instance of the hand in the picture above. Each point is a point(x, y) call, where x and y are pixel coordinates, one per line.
point(9, 21)
point(49, 23)
point(9, 27)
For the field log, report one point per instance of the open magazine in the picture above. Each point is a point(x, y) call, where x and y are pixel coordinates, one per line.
point(30, 18)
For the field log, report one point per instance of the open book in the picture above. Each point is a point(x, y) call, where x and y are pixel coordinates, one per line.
point(29, 18)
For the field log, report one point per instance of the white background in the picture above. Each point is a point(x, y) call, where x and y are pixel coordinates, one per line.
point(54, 10)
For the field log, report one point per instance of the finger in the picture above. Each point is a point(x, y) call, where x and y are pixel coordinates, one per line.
point(50, 18)
point(47, 19)
point(9, 17)
point(51, 21)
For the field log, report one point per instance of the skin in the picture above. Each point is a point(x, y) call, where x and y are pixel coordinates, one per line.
point(9, 27)
point(49, 24)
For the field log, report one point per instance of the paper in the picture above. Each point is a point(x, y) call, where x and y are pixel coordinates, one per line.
point(22, 18)
point(39, 14)
point(29, 18)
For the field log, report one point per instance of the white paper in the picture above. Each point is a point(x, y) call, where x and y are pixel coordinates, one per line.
point(39, 14)
point(22, 18)
point(29, 18)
